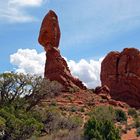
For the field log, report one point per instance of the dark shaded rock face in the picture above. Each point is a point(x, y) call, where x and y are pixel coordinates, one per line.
point(121, 73)
point(56, 67)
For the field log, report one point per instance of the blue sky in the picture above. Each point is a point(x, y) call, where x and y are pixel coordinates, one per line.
point(89, 28)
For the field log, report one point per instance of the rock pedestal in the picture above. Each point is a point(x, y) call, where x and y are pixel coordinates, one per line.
point(56, 68)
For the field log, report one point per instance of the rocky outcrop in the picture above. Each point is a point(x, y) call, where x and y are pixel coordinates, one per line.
point(56, 67)
point(121, 73)
point(103, 91)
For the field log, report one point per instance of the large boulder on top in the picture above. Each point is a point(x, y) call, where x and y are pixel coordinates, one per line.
point(120, 71)
point(50, 32)
point(56, 68)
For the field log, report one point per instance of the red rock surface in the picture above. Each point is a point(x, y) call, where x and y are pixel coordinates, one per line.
point(56, 67)
point(121, 73)
point(103, 91)
point(50, 32)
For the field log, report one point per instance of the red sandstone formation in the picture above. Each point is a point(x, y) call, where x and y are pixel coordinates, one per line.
point(56, 67)
point(121, 73)
point(103, 91)
point(50, 32)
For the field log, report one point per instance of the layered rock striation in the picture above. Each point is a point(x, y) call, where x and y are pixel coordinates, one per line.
point(56, 68)
point(121, 73)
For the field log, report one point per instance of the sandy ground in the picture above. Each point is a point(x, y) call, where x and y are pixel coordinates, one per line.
point(130, 135)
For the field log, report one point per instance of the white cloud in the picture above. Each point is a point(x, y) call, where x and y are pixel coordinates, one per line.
point(14, 10)
point(87, 71)
point(26, 2)
point(29, 61)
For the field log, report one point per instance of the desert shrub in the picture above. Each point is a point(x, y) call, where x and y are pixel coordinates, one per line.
point(103, 113)
point(73, 135)
point(132, 112)
point(67, 135)
point(137, 122)
point(26, 90)
point(82, 109)
point(19, 126)
point(120, 115)
point(73, 109)
point(2, 127)
point(50, 118)
point(53, 103)
point(138, 132)
point(53, 120)
point(70, 123)
point(75, 121)
point(91, 103)
point(20, 95)
point(73, 89)
point(101, 130)
point(69, 98)
point(2, 123)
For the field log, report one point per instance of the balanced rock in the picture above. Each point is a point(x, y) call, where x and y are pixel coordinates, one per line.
point(121, 73)
point(56, 68)
point(50, 32)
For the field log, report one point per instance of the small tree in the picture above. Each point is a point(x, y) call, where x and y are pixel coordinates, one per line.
point(12, 87)
point(19, 124)
point(44, 89)
point(120, 115)
point(27, 90)
point(132, 112)
point(101, 130)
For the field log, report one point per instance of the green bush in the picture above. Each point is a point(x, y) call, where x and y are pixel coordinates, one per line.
point(2, 122)
point(120, 115)
point(82, 109)
point(20, 96)
point(137, 122)
point(73, 109)
point(70, 123)
point(75, 121)
point(73, 89)
point(19, 126)
point(26, 91)
point(138, 132)
point(54, 121)
point(53, 103)
point(132, 112)
point(101, 130)
point(102, 113)
point(2, 127)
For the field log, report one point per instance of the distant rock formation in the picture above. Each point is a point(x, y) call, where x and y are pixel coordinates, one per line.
point(56, 67)
point(121, 73)
point(103, 91)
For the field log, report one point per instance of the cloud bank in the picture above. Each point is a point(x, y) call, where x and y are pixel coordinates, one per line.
point(29, 61)
point(15, 10)
point(86, 71)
